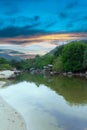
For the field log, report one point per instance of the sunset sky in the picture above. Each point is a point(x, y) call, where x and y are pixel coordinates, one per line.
point(37, 26)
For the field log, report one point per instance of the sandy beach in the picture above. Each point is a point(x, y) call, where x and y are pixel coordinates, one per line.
point(9, 118)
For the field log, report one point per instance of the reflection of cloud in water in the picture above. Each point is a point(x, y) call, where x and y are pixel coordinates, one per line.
point(46, 108)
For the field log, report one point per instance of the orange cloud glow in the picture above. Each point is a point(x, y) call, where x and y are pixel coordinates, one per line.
point(41, 38)
point(39, 44)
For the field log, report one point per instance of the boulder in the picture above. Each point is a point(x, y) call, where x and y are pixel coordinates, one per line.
point(6, 74)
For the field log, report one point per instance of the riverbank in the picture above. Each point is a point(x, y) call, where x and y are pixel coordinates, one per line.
point(2, 83)
point(6, 74)
point(52, 72)
point(9, 118)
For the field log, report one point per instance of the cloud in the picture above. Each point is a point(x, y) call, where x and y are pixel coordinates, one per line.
point(63, 15)
point(13, 31)
point(51, 24)
point(22, 25)
point(85, 17)
point(1, 23)
point(79, 21)
point(17, 42)
point(70, 25)
point(23, 20)
point(72, 4)
point(28, 19)
point(11, 11)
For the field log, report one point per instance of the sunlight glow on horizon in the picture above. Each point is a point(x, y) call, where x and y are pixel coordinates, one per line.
point(39, 44)
point(48, 37)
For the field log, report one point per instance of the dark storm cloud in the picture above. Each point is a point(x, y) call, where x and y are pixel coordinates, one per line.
point(19, 31)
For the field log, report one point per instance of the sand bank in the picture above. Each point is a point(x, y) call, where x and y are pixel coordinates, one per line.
point(9, 118)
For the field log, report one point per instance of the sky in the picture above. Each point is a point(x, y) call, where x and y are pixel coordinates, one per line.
point(31, 26)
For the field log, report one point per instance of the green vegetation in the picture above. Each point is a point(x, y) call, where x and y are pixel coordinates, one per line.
point(4, 64)
point(73, 56)
point(5, 67)
point(37, 62)
point(74, 90)
point(57, 65)
point(68, 57)
point(85, 59)
point(3, 61)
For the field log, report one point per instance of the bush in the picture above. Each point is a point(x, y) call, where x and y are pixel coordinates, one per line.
point(58, 66)
point(85, 59)
point(72, 56)
point(5, 67)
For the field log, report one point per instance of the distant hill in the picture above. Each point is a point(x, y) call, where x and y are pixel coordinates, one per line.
point(56, 51)
point(8, 57)
point(9, 51)
point(85, 41)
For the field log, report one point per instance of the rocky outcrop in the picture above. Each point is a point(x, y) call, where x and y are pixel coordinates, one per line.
point(6, 74)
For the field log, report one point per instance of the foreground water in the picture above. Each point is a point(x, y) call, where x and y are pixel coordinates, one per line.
point(54, 103)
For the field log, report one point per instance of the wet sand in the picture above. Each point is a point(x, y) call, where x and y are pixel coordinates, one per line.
point(9, 118)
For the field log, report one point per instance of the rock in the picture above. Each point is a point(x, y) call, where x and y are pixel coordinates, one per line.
point(86, 72)
point(65, 74)
point(6, 74)
point(2, 83)
point(69, 73)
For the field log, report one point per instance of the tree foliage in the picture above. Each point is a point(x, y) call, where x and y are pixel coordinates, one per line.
point(58, 66)
point(68, 57)
point(58, 50)
point(3, 61)
point(6, 67)
point(4, 64)
point(85, 59)
point(72, 56)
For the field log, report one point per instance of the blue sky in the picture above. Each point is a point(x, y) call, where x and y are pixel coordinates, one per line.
point(31, 17)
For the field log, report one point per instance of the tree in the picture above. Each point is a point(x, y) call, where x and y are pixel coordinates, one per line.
point(85, 59)
point(58, 64)
point(72, 56)
point(3, 61)
point(58, 50)
point(6, 67)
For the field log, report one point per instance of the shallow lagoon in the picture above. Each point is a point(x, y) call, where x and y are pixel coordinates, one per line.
point(49, 103)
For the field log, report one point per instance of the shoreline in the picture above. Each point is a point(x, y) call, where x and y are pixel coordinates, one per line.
point(10, 119)
point(2, 83)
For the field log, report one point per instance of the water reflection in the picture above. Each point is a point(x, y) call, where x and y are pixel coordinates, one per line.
point(49, 103)
point(74, 90)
